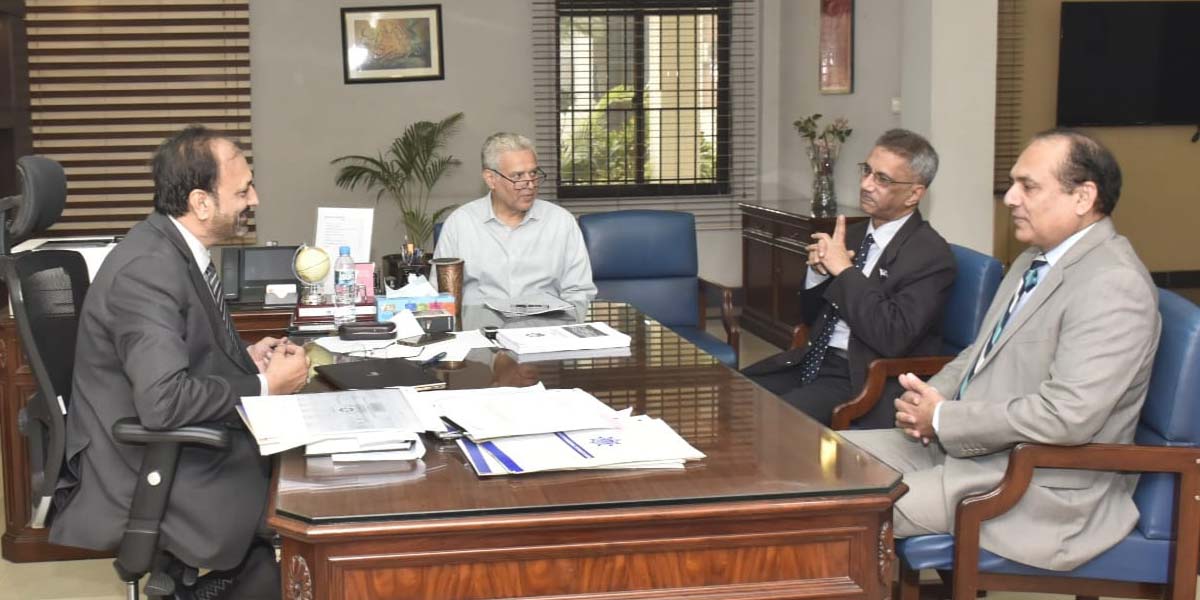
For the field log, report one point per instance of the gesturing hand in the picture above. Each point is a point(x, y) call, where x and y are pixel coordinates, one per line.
point(831, 253)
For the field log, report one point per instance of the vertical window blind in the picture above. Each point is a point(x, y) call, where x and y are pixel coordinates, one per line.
point(648, 104)
point(1010, 63)
point(108, 81)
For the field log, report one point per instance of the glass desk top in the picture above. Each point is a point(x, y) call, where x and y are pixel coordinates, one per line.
point(757, 446)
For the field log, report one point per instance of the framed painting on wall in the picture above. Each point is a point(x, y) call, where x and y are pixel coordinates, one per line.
point(836, 69)
point(399, 43)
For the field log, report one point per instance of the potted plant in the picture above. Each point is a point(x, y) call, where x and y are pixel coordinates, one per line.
point(406, 171)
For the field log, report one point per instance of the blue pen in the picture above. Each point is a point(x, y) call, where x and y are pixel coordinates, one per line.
point(433, 360)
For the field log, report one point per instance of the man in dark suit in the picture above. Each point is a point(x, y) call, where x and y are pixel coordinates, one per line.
point(155, 343)
point(882, 300)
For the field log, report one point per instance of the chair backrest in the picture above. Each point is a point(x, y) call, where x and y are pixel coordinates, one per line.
point(46, 289)
point(647, 258)
point(1171, 414)
point(975, 284)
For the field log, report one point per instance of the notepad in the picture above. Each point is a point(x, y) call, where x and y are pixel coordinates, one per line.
point(379, 373)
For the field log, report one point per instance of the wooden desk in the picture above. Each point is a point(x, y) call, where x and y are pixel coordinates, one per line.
point(21, 543)
point(774, 263)
point(781, 507)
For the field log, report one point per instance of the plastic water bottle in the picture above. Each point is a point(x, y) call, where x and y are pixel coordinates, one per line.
point(344, 278)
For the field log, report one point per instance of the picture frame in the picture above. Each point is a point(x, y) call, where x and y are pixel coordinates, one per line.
point(836, 53)
point(394, 43)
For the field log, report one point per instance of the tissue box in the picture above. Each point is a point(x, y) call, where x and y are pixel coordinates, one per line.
point(388, 307)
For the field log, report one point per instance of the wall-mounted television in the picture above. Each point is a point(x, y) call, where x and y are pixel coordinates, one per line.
point(1129, 63)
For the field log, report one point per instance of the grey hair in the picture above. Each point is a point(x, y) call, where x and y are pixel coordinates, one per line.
point(912, 147)
point(501, 142)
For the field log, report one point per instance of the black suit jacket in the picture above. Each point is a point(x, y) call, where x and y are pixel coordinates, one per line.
point(152, 345)
point(893, 311)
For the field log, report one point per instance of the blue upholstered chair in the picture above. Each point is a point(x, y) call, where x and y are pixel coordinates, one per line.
point(974, 286)
point(648, 258)
point(1158, 559)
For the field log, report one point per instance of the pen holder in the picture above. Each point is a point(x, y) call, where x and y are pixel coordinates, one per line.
point(450, 281)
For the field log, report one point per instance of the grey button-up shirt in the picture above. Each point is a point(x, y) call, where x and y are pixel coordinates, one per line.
point(542, 254)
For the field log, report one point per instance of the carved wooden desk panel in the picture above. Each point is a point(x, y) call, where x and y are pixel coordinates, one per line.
point(780, 508)
point(21, 543)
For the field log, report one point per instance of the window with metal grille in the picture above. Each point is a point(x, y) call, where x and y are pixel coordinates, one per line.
point(648, 104)
point(109, 81)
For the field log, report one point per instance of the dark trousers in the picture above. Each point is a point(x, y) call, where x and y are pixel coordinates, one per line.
point(831, 388)
point(256, 578)
point(820, 396)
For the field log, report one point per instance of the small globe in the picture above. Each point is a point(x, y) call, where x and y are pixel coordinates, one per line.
point(311, 264)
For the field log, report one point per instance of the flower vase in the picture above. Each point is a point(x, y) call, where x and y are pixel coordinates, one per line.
point(824, 197)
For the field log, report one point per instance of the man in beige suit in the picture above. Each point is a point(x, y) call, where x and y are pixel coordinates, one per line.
point(1063, 357)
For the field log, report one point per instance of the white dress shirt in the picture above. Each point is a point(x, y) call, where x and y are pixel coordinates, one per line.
point(543, 254)
point(203, 257)
point(882, 236)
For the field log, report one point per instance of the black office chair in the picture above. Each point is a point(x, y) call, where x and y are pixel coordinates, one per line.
point(46, 289)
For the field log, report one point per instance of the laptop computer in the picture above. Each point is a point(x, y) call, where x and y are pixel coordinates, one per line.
point(377, 373)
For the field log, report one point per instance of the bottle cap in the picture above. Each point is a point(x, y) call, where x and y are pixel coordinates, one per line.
point(344, 251)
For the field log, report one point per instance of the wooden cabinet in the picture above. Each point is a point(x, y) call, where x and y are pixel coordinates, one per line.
point(774, 253)
point(20, 542)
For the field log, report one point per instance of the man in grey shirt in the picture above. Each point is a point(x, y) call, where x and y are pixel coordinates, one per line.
point(512, 244)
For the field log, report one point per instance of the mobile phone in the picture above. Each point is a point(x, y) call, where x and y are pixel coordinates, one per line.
point(428, 338)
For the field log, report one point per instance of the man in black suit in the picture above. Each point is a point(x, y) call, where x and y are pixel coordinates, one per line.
point(882, 300)
point(155, 343)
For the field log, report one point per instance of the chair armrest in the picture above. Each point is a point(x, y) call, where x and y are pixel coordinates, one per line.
point(1025, 457)
point(732, 333)
point(799, 336)
point(130, 431)
point(878, 373)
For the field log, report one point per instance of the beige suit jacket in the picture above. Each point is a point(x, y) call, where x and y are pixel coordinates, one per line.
point(1071, 367)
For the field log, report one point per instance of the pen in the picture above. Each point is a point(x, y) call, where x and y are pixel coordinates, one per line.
point(433, 360)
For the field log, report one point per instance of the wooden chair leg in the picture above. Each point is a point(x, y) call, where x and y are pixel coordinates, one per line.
point(910, 583)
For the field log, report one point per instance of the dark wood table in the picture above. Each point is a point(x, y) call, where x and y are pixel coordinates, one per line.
point(780, 508)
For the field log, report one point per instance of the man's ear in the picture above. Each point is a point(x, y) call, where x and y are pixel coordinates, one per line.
point(200, 204)
point(914, 198)
point(1085, 195)
point(489, 179)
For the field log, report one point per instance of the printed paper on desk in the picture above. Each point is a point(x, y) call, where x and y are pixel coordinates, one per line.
point(282, 422)
point(557, 338)
point(490, 416)
point(428, 405)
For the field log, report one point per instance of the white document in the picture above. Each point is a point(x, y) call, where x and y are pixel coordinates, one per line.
point(558, 338)
point(473, 338)
point(428, 405)
point(282, 422)
point(639, 442)
point(337, 227)
point(490, 416)
point(406, 324)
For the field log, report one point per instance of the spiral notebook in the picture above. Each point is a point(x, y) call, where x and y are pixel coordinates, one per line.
point(377, 373)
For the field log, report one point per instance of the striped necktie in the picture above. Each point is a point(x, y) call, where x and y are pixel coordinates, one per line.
point(1028, 281)
point(214, 286)
point(811, 364)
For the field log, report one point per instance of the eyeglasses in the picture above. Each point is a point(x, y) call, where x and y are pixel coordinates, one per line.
point(881, 179)
point(523, 180)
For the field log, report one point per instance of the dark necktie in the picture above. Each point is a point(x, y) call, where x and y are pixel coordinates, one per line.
point(1029, 280)
point(820, 344)
point(214, 286)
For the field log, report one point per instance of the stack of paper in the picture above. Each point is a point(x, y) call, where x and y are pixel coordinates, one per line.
point(558, 338)
point(524, 430)
point(336, 423)
point(635, 443)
